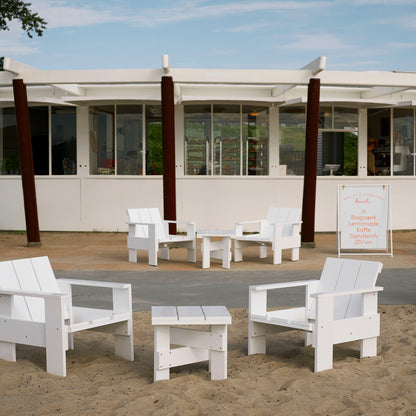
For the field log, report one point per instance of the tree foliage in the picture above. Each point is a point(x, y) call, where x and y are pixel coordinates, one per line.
point(17, 9)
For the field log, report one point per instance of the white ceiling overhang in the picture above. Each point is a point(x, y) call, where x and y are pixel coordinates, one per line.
point(350, 102)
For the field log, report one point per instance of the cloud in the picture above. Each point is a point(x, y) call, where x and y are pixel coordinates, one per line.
point(247, 28)
point(319, 42)
point(13, 42)
point(198, 10)
point(58, 14)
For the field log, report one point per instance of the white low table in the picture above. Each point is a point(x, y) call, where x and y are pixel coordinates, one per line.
point(197, 345)
point(220, 249)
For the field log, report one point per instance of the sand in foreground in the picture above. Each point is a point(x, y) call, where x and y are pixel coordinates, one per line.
point(282, 382)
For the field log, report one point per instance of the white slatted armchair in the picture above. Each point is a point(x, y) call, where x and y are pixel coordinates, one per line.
point(340, 307)
point(279, 230)
point(147, 231)
point(36, 309)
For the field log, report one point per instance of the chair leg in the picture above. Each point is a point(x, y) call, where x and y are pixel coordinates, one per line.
point(368, 347)
point(295, 254)
point(123, 346)
point(56, 335)
point(191, 255)
point(262, 252)
point(324, 351)
point(164, 253)
point(132, 255)
point(152, 257)
point(308, 338)
point(8, 351)
point(256, 344)
point(238, 252)
point(277, 256)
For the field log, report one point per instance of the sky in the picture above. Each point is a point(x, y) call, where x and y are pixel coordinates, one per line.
point(354, 35)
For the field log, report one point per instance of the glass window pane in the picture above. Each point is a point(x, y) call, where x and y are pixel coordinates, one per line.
point(129, 140)
point(403, 141)
point(378, 149)
point(64, 144)
point(102, 140)
point(227, 144)
point(9, 143)
point(154, 151)
point(255, 140)
point(325, 118)
point(345, 118)
point(39, 128)
point(197, 139)
point(337, 153)
point(292, 140)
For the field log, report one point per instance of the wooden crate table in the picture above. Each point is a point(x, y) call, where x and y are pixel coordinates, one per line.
point(220, 249)
point(196, 345)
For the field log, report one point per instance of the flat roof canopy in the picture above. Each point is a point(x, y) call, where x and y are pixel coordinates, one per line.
point(271, 87)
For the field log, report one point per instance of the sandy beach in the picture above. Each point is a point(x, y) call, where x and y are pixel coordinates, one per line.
point(279, 383)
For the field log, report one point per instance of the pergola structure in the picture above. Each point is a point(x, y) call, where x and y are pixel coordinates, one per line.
point(273, 88)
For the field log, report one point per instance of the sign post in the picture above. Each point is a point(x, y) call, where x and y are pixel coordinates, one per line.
point(364, 220)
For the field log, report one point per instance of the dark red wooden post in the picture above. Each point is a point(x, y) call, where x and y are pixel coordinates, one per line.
point(26, 162)
point(311, 154)
point(169, 161)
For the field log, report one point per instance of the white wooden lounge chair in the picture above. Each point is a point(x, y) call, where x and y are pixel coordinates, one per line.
point(36, 309)
point(148, 232)
point(340, 307)
point(280, 230)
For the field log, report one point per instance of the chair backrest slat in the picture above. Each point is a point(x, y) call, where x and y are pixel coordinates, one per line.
point(146, 215)
point(279, 216)
point(339, 275)
point(33, 274)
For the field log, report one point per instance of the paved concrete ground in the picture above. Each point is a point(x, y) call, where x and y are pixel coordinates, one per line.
point(104, 256)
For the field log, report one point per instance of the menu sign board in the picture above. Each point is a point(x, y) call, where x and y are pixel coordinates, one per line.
point(363, 217)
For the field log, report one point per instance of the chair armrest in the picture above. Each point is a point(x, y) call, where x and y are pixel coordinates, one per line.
point(190, 226)
point(348, 292)
point(18, 292)
point(283, 285)
point(238, 228)
point(79, 282)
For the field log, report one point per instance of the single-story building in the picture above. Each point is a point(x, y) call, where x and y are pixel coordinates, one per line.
point(239, 143)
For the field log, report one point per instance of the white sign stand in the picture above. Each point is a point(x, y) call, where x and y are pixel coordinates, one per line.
point(364, 220)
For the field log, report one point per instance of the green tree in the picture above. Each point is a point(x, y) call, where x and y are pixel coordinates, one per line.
point(17, 9)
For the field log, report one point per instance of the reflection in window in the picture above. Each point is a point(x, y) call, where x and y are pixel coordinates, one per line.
point(378, 134)
point(154, 145)
point(337, 153)
point(9, 144)
point(39, 128)
point(197, 121)
point(403, 141)
point(255, 129)
point(129, 140)
point(236, 144)
point(102, 140)
point(292, 140)
point(64, 145)
point(227, 142)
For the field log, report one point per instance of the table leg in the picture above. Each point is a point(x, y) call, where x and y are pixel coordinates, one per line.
point(218, 359)
point(226, 252)
point(206, 252)
point(161, 343)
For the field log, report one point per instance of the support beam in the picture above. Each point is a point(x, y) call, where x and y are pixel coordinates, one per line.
point(168, 141)
point(26, 161)
point(311, 153)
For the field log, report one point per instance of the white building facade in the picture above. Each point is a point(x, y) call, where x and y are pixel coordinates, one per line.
point(239, 143)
